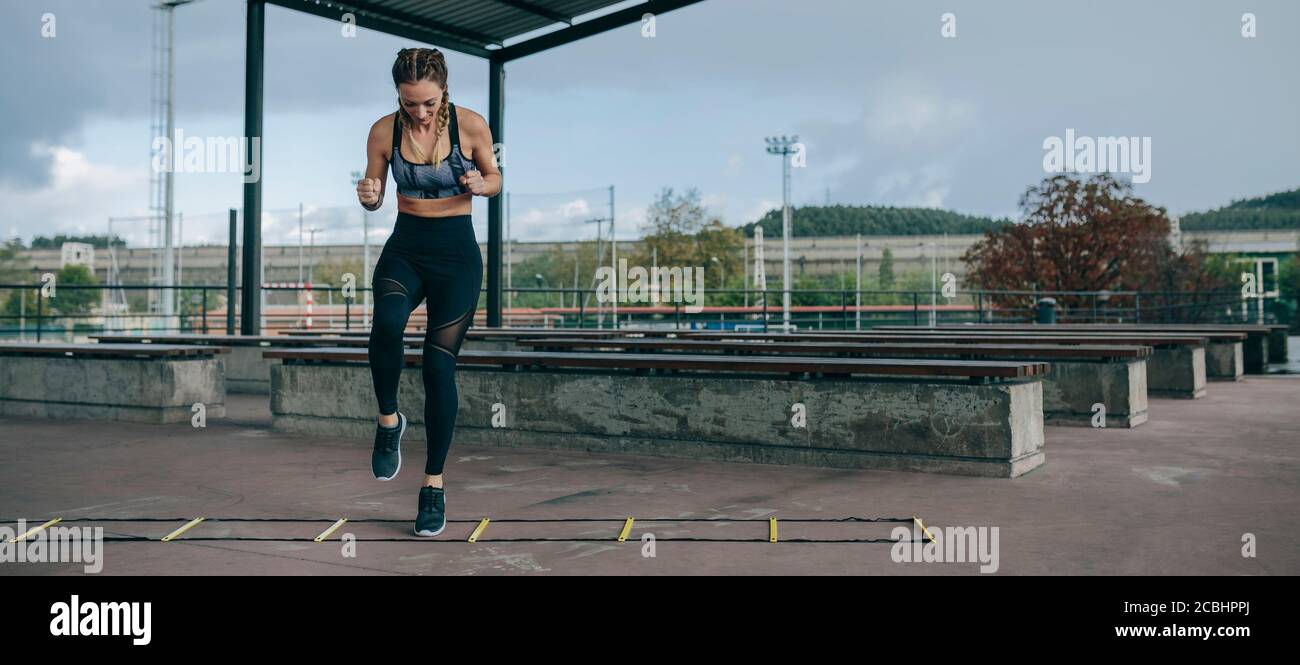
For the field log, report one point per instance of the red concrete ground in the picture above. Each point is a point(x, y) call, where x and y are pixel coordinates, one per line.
point(1172, 497)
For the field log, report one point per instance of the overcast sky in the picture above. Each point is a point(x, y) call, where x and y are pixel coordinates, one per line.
point(890, 111)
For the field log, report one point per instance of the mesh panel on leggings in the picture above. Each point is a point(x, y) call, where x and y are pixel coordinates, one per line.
point(448, 336)
point(386, 286)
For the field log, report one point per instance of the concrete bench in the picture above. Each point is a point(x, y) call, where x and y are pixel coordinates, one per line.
point(496, 339)
point(507, 339)
point(132, 382)
point(1176, 367)
point(1224, 361)
point(1081, 375)
point(246, 370)
point(964, 417)
point(1264, 343)
point(1278, 349)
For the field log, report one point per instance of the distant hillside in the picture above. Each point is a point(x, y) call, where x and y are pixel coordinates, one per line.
point(1275, 211)
point(98, 241)
point(1282, 200)
point(843, 220)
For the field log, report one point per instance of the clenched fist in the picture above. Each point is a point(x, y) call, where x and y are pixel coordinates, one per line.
point(473, 181)
point(368, 191)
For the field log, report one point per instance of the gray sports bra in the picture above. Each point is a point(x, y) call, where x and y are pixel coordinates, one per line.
point(423, 181)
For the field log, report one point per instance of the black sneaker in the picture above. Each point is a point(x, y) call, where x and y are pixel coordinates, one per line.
point(432, 518)
point(386, 460)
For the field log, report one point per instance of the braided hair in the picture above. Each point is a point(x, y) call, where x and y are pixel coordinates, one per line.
point(423, 64)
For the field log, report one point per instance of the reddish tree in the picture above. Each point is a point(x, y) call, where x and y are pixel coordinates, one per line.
point(1084, 235)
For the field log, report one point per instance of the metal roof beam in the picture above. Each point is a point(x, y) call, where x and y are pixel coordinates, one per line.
point(334, 10)
point(542, 12)
point(587, 29)
point(468, 35)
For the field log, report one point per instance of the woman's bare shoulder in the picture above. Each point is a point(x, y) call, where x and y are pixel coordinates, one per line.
point(381, 132)
point(384, 125)
point(470, 121)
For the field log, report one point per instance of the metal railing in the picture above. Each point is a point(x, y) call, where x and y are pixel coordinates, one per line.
point(203, 309)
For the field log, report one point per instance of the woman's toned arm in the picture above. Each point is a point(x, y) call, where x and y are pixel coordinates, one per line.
point(486, 181)
point(370, 189)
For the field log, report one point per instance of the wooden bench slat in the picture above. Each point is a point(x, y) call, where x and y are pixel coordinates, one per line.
point(1135, 339)
point(230, 340)
point(1216, 335)
point(1031, 334)
point(1170, 327)
point(820, 347)
point(113, 350)
point(991, 337)
point(1023, 350)
point(960, 368)
point(482, 333)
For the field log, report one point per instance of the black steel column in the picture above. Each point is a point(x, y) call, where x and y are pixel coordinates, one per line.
point(496, 121)
point(251, 304)
point(230, 274)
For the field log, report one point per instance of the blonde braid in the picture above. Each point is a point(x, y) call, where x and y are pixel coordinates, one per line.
point(430, 69)
point(410, 74)
point(444, 115)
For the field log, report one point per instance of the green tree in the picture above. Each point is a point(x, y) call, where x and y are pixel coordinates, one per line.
point(887, 270)
point(192, 307)
point(667, 235)
point(73, 301)
point(1289, 278)
point(555, 266)
point(841, 220)
point(97, 241)
point(13, 270)
point(1289, 285)
point(332, 272)
point(557, 269)
point(718, 249)
point(13, 266)
point(17, 303)
point(1274, 211)
point(679, 231)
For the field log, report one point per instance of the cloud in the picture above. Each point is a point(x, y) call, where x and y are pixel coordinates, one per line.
point(99, 63)
point(903, 148)
point(908, 118)
point(733, 167)
point(72, 180)
point(904, 118)
point(926, 187)
point(562, 219)
point(713, 200)
point(629, 223)
point(51, 88)
point(759, 209)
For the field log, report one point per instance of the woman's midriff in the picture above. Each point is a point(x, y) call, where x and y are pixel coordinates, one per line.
point(445, 207)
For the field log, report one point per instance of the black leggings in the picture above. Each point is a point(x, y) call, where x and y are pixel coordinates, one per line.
point(435, 258)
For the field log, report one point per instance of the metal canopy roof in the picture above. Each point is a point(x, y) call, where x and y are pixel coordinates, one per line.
point(474, 27)
point(481, 27)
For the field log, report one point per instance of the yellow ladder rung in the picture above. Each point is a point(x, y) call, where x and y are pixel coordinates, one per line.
point(923, 528)
point(326, 533)
point(35, 529)
point(627, 526)
point(771, 530)
point(473, 537)
point(189, 525)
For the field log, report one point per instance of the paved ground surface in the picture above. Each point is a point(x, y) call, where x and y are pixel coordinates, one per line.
point(1174, 496)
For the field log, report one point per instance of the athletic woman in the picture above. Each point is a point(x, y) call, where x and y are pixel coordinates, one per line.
point(440, 156)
